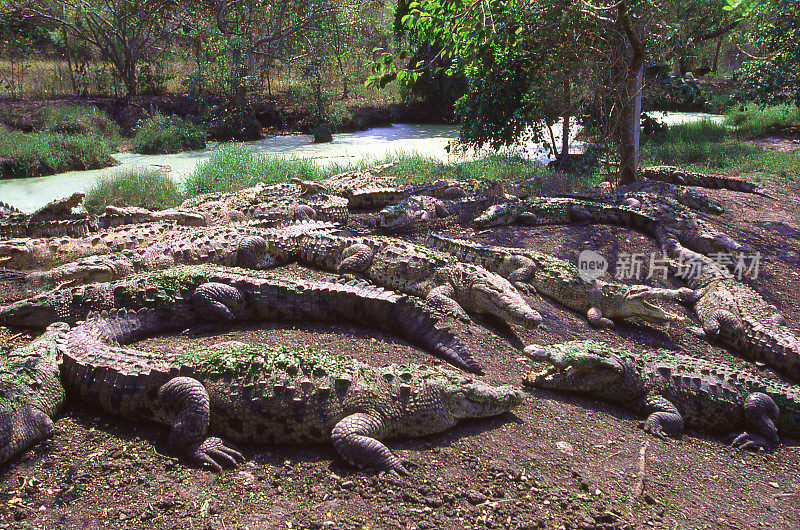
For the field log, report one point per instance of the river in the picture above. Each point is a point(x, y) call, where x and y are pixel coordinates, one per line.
point(377, 143)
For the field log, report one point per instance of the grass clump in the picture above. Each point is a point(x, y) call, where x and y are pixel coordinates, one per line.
point(79, 119)
point(45, 153)
point(158, 133)
point(709, 147)
point(145, 188)
point(236, 166)
point(754, 120)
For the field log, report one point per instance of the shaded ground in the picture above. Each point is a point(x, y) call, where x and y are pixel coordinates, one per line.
point(558, 461)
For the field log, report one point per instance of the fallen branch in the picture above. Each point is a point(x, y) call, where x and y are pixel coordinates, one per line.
point(639, 490)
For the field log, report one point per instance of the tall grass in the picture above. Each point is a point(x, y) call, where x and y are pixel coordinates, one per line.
point(235, 166)
point(145, 188)
point(79, 119)
point(46, 153)
point(158, 133)
point(754, 120)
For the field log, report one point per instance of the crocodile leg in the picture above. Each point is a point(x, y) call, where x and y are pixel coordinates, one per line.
point(251, 253)
point(523, 270)
point(355, 258)
point(596, 318)
point(719, 319)
point(185, 404)
point(218, 302)
point(441, 297)
point(355, 437)
point(664, 418)
point(759, 412)
point(22, 428)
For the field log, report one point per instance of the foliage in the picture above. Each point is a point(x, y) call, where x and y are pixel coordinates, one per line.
point(236, 166)
point(774, 76)
point(158, 133)
point(151, 80)
point(145, 188)
point(228, 120)
point(45, 153)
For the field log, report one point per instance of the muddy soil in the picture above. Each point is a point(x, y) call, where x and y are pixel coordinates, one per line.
point(558, 461)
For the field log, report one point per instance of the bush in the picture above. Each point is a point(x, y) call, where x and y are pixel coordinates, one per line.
point(79, 119)
point(145, 188)
point(44, 153)
point(167, 134)
point(236, 166)
point(227, 121)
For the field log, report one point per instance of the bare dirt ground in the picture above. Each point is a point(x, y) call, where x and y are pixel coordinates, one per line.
point(558, 461)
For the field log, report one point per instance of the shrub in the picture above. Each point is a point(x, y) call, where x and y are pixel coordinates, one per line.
point(167, 134)
point(45, 153)
point(145, 188)
point(754, 120)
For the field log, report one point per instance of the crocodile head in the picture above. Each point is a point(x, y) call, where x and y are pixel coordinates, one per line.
point(492, 294)
point(586, 367)
point(498, 215)
point(638, 302)
point(36, 312)
point(400, 216)
point(469, 398)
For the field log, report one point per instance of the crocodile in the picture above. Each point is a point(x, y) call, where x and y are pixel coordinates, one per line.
point(55, 218)
point(240, 245)
point(48, 252)
point(7, 209)
point(661, 217)
point(280, 202)
point(674, 390)
point(736, 315)
point(414, 269)
point(423, 211)
point(685, 196)
point(30, 391)
point(226, 294)
point(560, 280)
point(676, 175)
point(234, 392)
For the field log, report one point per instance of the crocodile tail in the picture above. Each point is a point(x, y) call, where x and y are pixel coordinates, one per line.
point(362, 302)
point(777, 348)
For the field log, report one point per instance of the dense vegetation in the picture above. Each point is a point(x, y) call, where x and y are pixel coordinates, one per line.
point(158, 133)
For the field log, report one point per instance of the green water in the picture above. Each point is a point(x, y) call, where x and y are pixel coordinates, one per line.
point(426, 140)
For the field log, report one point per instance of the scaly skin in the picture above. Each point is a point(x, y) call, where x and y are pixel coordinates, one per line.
point(226, 294)
point(30, 391)
point(53, 219)
point(738, 316)
point(414, 269)
point(271, 203)
point(558, 279)
point(423, 212)
point(7, 209)
point(46, 253)
point(266, 394)
point(676, 175)
point(560, 210)
point(673, 390)
point(240, 245)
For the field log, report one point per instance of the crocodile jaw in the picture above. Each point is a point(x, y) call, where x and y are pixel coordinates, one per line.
point(476, 399)
point(505, 302)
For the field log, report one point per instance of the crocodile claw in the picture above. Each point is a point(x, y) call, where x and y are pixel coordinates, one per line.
point(748, 441)
point(213, 451)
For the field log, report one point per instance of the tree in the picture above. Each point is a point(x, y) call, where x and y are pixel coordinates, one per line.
point(773, 73)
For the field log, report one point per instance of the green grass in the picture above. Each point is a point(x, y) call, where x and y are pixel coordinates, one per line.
point(46, 153)
point(146, 188)
point(713, 148)
point(235, 166)
point(753, 120)
point(158, 133)
point(79, 119)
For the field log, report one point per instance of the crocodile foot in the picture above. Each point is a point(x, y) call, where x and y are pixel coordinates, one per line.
point(214, 451)
point(749, 441)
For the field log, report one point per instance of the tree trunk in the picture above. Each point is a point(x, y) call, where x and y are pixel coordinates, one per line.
point(631, 99)
point(566, 120)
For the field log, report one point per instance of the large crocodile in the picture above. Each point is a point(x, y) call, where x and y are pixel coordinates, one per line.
point(676, 175)
point(735, 314)
point(226, 294)
point(673, 390)
point(560, 280)
point(54, 218)
point(414, 269)
point(424, 212)
point(279, 202)
point(259, 394)
point(239, 245)
point(662, 217)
